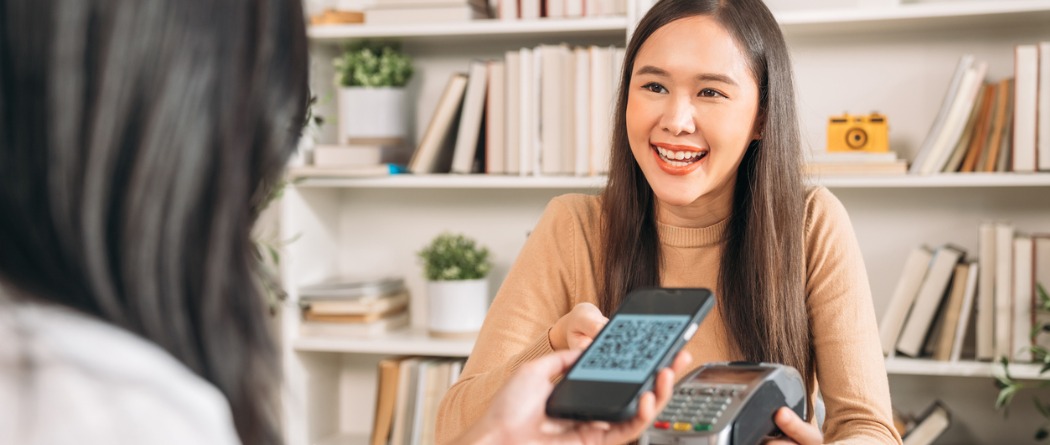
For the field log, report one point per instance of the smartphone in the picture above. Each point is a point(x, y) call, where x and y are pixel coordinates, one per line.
point(641, 338)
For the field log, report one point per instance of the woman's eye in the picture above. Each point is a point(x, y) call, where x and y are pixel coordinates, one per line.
point(707, 92)
point(654, 87)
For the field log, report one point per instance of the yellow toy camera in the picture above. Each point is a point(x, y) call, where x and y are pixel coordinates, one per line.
point(848, 133)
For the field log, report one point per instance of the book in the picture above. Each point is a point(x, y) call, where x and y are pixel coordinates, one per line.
point(964, 64)
point(470, 119)
point(955, 122)
point(966, 313)
point(581, 111)
point(355, 171)
point(434, 154)
point(404, 405)
point(386, 397)
point(310, 315)
point(495, 120)
point(1043, 112)
point(986, 292)
point(423, 14)
point(1026, 78)
point(933, 422)
point(822, 157)
point(346, 288)
point(952, 314)
point(915, 267)
point(552, 95)
point(362, 306)
point(931, 293)
point(970, 131)
point(979, 138)
point(527, 95)
point(355, 155)
point(898, 167)
point(602, 92)
point(1004, 257)
point(512, 117)
point(341, 329)
point(1003, 105)
point(1023, 300)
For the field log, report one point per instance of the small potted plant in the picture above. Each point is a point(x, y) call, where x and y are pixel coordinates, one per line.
point(456, 269)
point(371, 78)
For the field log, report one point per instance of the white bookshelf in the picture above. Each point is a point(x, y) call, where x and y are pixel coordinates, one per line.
point(945, 14)
point(894, 60)
point(449, 181)
point(514, 29)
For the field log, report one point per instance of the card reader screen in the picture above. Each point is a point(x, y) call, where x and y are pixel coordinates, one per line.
point(629, 348)
point(733, 375)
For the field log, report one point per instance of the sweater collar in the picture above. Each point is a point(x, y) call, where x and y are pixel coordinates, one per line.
point(674, 236)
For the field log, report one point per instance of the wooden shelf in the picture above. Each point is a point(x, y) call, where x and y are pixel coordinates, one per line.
point(916, 16)
point(910, 366)
point(448, 181)
point(490, 28)
point(405, 342)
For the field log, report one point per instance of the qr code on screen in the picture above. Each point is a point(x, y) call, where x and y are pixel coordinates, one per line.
point(631, 345)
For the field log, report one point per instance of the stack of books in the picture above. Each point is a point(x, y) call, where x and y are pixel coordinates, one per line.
point(924, 428)
point(992, 126)
point(408, 394)
point(380, 157)
point(399, 12)
point(842, 163)
point(354, 307)
point(941, 294)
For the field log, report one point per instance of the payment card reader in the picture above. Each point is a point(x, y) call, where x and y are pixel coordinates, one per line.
point(727, 404)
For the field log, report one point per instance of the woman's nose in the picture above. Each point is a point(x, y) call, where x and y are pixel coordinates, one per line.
point(679, 118)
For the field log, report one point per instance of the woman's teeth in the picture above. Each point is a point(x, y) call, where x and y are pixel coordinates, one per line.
point(680, 158)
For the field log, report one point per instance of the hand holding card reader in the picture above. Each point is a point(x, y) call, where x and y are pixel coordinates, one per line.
point(728, 404)
point(640, 339)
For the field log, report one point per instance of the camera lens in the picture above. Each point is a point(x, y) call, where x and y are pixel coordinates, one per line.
point(856, 138)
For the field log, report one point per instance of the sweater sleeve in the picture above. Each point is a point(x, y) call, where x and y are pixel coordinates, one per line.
point(848, 356)
point(538, 290)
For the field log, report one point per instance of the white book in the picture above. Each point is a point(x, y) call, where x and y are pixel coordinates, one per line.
point(1043, 112)
point(432, 154)
point(555, 8)
point(1026, 88)
point(601, 93)
point(845, 157)
point(581, 111)
point(404, 16)
point(512, 117)
point(566, 150)
point(360, 330)
point(551, 122)
point(969, 87)
point(574, 8)
point(534, 120)
point(965, 313)
point(986, 292)
point(1004, 256)
point(1022, 318)
point(930, 426)
point(904, 294)
point(591, 8)
point(348, 155)
point(529, 9)
point(931, 293)
point(470, 119)
point(495, 107)
point(507, 10)
point(965, 62)
point(527, 95)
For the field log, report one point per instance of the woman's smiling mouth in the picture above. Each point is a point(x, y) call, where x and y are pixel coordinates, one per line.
point(678, 159)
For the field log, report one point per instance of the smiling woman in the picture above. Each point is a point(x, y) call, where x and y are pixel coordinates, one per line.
point(705, 190)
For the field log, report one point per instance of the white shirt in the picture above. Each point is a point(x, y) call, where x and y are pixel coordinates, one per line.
point(67, 378)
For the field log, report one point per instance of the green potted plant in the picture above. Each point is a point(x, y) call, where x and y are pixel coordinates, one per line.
point(371, 78)
point(1009, 387)
point(456, 269)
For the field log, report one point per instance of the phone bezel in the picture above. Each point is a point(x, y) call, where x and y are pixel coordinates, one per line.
point(617, 401)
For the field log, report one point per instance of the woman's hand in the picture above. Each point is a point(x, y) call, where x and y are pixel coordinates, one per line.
point(578, 328)
point(517, 413)
point(796, 430)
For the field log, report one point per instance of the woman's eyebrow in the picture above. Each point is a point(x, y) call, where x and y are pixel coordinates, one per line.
point(705, 77)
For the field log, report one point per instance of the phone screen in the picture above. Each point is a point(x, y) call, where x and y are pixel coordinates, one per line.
point(630, 348)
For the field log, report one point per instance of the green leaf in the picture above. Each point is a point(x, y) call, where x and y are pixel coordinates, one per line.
point(1043, 409)
point(1041, 433)
point(1006, 395)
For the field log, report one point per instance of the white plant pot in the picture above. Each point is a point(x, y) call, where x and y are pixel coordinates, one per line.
point(372, 113)
point(456, 308)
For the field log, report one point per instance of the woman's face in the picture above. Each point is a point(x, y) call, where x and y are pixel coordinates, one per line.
point(691, 111)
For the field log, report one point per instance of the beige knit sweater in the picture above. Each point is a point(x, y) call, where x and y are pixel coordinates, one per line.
point(556, 270)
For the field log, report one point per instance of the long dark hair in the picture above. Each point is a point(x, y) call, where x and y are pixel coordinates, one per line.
point(762, 277)
point(138, 141)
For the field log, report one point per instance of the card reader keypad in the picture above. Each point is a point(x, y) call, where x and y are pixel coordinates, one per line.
point(697, 407)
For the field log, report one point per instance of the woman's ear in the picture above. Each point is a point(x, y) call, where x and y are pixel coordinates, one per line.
point(759, 127)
